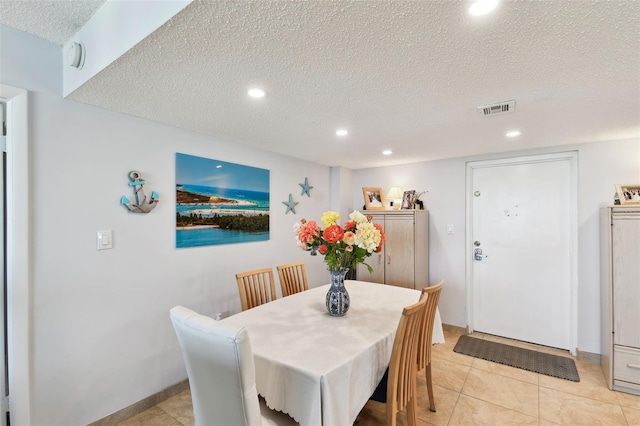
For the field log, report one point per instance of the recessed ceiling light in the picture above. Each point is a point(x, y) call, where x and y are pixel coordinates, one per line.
point(342, 132)
point(387, 152)
point(482, 7)
point(256, 93)
point(513, 133)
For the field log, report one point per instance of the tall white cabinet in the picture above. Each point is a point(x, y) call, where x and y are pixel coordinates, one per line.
point(620, 297)
point(404, 260)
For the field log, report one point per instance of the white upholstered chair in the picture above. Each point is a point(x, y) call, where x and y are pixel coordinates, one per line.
point(221, 372)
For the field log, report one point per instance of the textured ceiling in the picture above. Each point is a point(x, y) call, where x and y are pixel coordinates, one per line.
point(53, 20)
point(405, 76)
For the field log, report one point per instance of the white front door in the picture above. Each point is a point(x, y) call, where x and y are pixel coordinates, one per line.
point(521, 248)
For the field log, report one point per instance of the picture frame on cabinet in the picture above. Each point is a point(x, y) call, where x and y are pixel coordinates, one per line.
point(628, 194)
point(408, 200)
point(373, 198)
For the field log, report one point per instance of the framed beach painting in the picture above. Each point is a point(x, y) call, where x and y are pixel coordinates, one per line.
point(219, 202)
point(373, 198)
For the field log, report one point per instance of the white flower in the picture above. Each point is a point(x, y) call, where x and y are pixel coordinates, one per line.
point(367, 236)
point(358, 217)
point(301, 244)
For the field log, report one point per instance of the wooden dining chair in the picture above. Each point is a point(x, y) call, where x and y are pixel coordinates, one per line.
point(293, 278)
point(401, 388)
point(256, 287)
point(425, 336)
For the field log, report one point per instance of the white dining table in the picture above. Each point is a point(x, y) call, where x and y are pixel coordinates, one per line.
point(320, 369)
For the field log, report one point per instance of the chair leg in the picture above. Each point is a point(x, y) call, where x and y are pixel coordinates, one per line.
point(412, 411)
point(432, 402)
point(391, 414)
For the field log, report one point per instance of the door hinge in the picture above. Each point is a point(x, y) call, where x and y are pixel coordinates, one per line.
point(3, 143)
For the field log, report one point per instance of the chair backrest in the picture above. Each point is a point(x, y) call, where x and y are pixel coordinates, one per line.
point(425, 335)
point(221, 370)
point(293, 278)
point(256, 287)
point(401, 385)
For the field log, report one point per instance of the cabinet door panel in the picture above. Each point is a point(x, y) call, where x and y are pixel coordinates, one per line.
point(399, 251)
point(376, 261)
point(626, 288)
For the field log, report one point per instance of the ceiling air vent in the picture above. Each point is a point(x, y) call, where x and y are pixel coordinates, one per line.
point(499, 108)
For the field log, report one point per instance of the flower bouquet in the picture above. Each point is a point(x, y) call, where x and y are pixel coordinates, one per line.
point(343, 247)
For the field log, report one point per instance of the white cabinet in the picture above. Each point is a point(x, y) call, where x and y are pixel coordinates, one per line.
point(404, 259)
point(620, 297)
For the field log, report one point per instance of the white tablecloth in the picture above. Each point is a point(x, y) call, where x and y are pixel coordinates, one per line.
point(320, 369)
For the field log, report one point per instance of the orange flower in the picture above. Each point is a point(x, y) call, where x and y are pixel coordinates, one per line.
point(323, 249)
point(333, 234)
point(382, 236)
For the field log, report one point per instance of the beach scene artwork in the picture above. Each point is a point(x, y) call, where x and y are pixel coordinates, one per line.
point(219, 202)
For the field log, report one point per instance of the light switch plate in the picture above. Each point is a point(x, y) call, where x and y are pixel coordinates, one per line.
point(105, 239)
point(450, 229)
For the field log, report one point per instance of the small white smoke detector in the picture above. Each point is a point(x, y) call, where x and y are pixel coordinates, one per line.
point(74, 54)
point(499, 108)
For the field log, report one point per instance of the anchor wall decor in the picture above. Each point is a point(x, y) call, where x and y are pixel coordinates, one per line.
point(142, 204)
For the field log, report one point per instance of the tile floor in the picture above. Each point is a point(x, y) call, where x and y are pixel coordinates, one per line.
point(472, 391)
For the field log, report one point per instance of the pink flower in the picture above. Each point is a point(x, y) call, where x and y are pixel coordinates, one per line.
point(308, 231)
point(349, 238)
point(348, 249)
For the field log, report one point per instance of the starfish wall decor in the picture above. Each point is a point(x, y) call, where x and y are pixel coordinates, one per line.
point(306, 187)
point(291, 205)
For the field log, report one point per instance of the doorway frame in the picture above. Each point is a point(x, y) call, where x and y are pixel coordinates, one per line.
point(572, 158)
point(19, 277)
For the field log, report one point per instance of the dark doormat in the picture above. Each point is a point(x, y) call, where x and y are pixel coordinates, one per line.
point(526, 359)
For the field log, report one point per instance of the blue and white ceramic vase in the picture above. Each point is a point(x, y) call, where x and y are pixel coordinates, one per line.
point(337, 297)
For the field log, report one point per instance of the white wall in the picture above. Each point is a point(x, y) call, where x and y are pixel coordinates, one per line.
point(341, 185)
point(601, 165)
point(101, 336)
